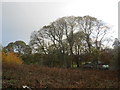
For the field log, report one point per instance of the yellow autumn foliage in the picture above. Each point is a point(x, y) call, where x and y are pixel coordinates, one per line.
point(11, 58)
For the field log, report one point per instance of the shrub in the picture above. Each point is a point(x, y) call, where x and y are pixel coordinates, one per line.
point(11, 58)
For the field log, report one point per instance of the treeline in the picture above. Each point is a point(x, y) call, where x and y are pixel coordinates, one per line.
point(66, 42)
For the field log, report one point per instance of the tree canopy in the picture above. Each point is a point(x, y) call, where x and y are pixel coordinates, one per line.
point(19, 47)
point(71, 35)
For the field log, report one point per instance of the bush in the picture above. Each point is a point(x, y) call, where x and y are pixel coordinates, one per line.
point(11, 58)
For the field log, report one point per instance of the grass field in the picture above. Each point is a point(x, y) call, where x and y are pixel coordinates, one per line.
point(16, 76)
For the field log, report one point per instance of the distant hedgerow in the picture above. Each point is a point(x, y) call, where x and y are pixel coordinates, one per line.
point(11, 58)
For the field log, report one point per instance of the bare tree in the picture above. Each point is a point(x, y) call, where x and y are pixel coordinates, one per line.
point(87, 24)
point(99, 33)
point(70, 36)
point(37, 42)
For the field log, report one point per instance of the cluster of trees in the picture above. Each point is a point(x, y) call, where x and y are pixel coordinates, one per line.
point(65, 42)
point(71, 35)
point(19, 47)
point(70, 38)
point(16, 49)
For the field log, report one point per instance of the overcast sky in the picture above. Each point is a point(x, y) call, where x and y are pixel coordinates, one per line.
point(20, 19)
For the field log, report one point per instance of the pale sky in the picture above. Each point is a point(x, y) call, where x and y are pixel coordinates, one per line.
point(20, 19)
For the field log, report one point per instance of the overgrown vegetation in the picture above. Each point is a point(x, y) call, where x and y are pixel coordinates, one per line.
point(35, 76)
point(66, 42)
point(56, 54)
